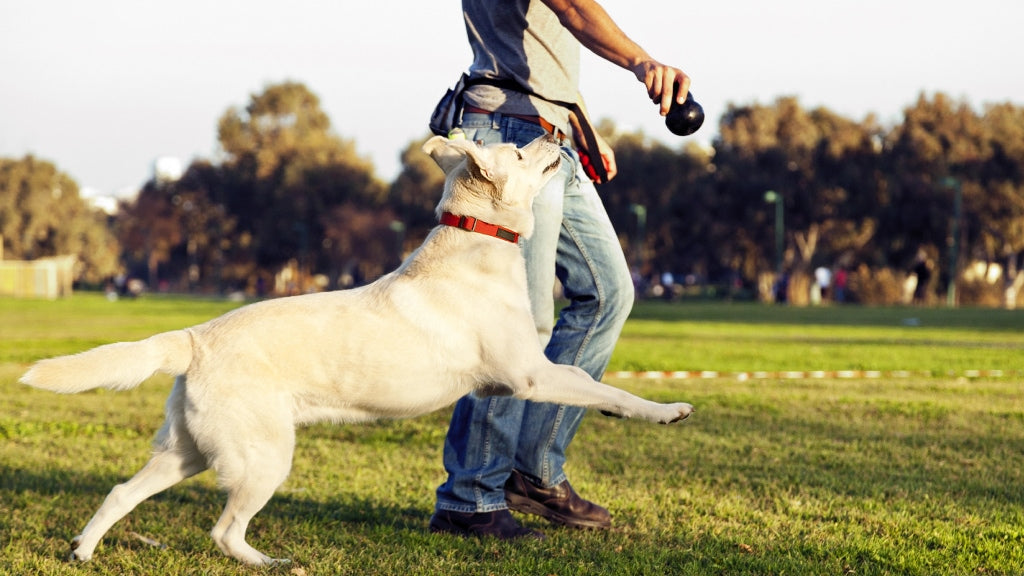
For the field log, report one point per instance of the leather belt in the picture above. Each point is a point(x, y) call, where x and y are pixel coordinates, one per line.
point(548, 126)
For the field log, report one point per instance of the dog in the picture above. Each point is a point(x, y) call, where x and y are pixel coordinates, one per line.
point(453, 319)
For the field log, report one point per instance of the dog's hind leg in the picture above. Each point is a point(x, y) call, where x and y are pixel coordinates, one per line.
point(561, 384)
point(251, 472)
point(176, 458)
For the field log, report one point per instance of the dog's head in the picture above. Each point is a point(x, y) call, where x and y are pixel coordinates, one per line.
point(495, 183)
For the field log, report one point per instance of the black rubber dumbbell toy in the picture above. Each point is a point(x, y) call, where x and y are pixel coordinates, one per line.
point(686, 118)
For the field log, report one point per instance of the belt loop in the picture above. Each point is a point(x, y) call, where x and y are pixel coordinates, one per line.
point(458, 114)
point(496, 120)
point(560, 136)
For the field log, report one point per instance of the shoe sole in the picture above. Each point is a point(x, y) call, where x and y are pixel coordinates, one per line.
point(459, 532)
point(527, 506)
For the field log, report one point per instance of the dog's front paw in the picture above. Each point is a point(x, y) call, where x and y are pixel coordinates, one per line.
point(680, 411)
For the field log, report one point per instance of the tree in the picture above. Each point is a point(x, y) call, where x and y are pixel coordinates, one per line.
point(364, 244)
point(211, 252)
point(285, 170)
point(656, 204)
point(824, 168)
point(999, 207)
point(762, 148)
point(42, 214)
point(150, 227)
point(935, 154)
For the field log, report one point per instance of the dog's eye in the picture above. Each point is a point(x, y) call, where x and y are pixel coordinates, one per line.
point(519, 154)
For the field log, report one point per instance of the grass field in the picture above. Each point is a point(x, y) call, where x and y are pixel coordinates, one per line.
point(919, 474)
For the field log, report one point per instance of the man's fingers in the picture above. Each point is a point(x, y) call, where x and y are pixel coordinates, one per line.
point(683, 81)
point(655, 83)
point(661, 86)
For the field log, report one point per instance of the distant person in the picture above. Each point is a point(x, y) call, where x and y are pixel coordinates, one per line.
point(842, 279)
point(501, 452)
point(823, 282)
point(780, 289)
point(668, 283)
point(923, 270)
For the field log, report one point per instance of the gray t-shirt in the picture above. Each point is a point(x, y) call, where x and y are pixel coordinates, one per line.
point(522, 40)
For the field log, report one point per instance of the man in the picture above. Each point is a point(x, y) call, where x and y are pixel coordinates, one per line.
point(500, 452)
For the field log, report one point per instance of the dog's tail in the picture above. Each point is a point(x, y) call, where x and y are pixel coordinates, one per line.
point(117, 366)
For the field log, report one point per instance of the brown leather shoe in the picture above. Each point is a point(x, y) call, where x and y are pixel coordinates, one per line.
point(559, 504)
point(497, 524)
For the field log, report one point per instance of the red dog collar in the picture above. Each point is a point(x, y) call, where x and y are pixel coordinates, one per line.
point(479, 226)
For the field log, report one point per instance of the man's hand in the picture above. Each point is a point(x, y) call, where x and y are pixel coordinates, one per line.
point(607, 156)
point(661, 81)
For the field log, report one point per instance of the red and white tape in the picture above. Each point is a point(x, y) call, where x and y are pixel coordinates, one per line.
point(808, 374)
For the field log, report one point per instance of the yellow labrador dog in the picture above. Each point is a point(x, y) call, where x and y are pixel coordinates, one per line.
point(454, 318)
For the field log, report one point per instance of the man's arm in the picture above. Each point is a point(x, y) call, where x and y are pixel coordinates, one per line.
point(594, 28)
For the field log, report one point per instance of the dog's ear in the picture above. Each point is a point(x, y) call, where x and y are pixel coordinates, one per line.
point(447, 158)
point(449, 153)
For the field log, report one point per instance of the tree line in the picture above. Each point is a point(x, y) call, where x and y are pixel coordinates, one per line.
point(936, 200)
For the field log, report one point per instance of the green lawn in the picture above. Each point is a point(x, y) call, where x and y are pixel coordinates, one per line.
point(911, 475)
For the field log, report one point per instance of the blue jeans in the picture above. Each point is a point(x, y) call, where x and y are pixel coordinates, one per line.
point(574, 241)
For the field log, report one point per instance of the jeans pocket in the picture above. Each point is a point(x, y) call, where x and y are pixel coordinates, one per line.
point(521, 132)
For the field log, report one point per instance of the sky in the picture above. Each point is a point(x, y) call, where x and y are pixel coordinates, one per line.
point(105, 87)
